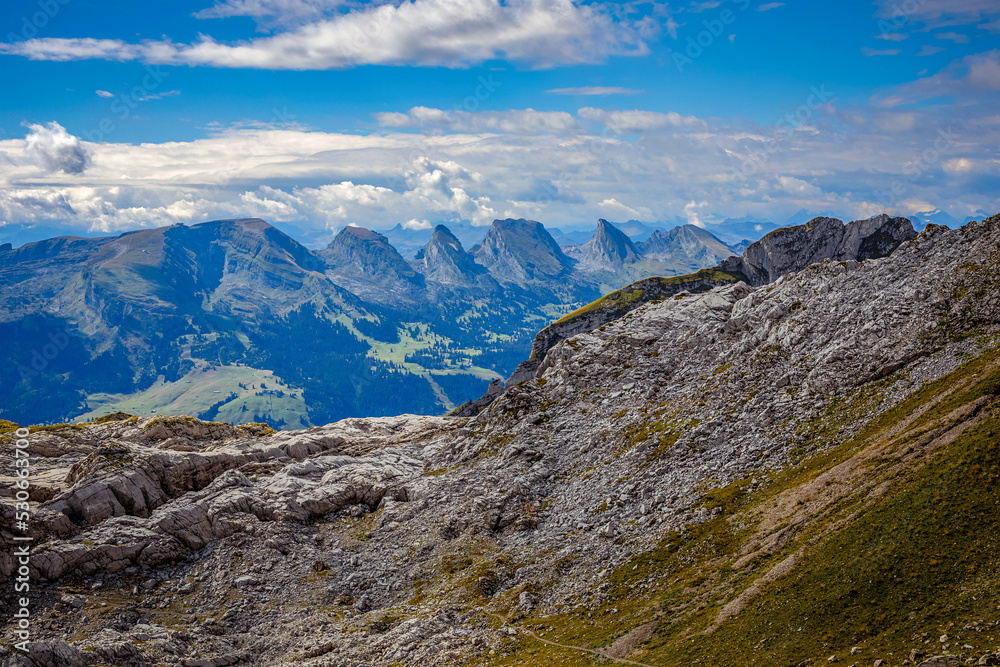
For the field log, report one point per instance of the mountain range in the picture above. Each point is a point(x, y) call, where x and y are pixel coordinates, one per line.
point(789, 458)
point(216, 319)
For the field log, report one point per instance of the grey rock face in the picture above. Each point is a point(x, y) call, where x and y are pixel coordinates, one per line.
point(783, 251)
point(685, 246)
point(364, 262)
point(520, 251)
point(791, 249)
point(942, 661)
point(444, 260)
point(608, 309)
point(608, 250)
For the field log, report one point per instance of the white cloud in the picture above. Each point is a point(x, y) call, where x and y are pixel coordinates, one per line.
point(104, 93)
point(595, 90)
point(416, 225)
point(449, 33)
point(615, 208)
point(691, 212)
point(768, 6)
point(928, 50)
point(969, 77)
point(958, 165)
point(728, 168)
point(796, 186)
point(81, 48)
point(272, 12)
point(636, 121)
point(953, 37)
point(52, 148)
point(936, 13)
point(146, 97)
point(519, 121)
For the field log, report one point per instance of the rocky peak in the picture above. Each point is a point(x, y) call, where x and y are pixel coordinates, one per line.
point(521, 251)
point(365, 262)
point(687, 244)
point(792, 249)
point(444, 260)
point(783, 251)
point(245, 244)
point(608, 250)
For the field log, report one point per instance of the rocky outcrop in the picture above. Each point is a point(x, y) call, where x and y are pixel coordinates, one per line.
point(686, 247)
point(364, 262)
point(791, 249)
point(610, 308)
point(608, 250)
point(782, 251)
point(521, 251)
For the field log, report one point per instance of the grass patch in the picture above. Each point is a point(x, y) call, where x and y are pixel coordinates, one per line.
point(916, 561)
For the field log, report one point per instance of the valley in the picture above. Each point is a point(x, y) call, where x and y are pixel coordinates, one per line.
point(177, 320)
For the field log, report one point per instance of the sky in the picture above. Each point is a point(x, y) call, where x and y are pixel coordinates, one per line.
point(323, 113)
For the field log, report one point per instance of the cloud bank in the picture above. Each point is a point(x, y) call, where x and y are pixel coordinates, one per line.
point(560, 168)
point(431, 33)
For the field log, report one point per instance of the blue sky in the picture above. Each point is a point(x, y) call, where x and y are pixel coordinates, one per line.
point(321, 113)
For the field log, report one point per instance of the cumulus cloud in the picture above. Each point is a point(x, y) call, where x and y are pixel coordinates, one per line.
point(449, 33)
point(692, 212)
point(52, 148)
point(673, 170)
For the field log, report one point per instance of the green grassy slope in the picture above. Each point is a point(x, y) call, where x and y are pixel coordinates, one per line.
point(885, 542)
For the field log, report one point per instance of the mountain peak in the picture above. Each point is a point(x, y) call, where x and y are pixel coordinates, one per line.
point(609, 249)
point(364, 261)
point(360, 233)
point(444, 260)
point(443, 235)
point(686, 247)
point(521, 251)
point(790, 249)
